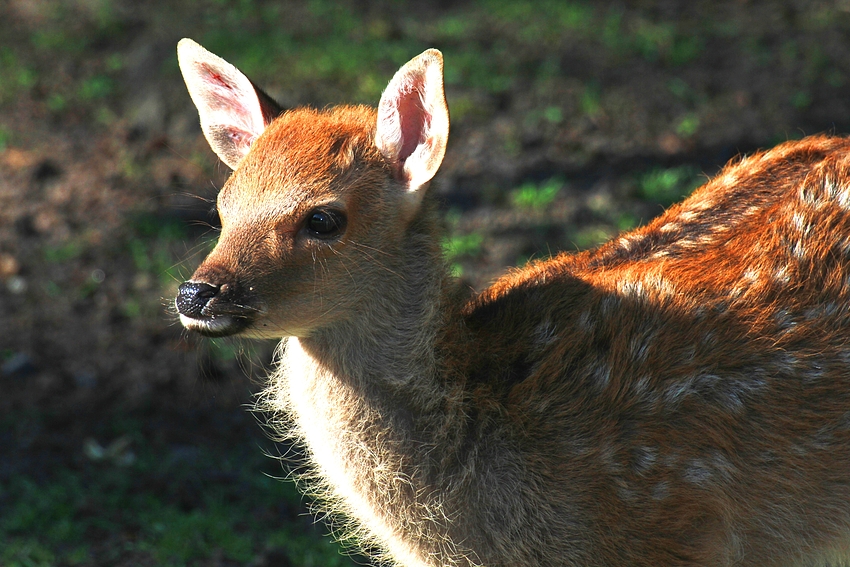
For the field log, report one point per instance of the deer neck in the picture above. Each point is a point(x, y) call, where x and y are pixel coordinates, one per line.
point(380, 367)
point(387, 345)
point(367, 396)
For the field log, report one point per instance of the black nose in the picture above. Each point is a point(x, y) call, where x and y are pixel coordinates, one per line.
point(192, 297)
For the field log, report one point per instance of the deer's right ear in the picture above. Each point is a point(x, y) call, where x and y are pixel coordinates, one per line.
point(233, 111)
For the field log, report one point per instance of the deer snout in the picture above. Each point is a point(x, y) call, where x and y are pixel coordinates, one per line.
point(212, 310)
point(193, 297)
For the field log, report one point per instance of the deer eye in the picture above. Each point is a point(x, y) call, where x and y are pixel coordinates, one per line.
point(325, 223)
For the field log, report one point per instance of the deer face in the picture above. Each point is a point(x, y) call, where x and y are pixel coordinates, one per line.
point(315, 201)
point(297, 224)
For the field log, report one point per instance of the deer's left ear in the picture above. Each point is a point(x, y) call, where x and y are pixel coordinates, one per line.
point(413, 122)
point(233, 111)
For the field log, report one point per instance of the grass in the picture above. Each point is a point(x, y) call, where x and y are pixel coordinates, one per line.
point(669, 185)
point(459, 246)
point(17, 75)
point(536, 196)
point(157, 248)
point(591, 236)
point(208, 504)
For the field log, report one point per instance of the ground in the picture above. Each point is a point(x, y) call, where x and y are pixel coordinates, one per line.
point(126, 441)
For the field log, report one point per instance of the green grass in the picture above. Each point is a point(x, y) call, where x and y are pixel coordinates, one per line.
point(158, 251)
point(536, 196)
point(591, 236)
point(190, 517)
point(669, 185)
point(459, 246)
point(688, 125)
point(17, 75)
point(64, 252)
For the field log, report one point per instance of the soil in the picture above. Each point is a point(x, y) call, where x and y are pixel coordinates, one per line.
point(106, 196)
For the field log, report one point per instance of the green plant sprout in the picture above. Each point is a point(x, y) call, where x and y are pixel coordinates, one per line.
point(536, 197)
point(666, 186)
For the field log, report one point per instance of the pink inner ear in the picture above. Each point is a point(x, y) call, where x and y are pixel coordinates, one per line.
point(223, 93)
point(240, 137)
point(413, 119)
point(215, 77)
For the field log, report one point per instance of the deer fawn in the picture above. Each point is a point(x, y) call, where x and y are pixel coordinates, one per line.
point(678, 396)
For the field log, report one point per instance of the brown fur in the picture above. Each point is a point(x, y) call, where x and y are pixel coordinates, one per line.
point(678, 396)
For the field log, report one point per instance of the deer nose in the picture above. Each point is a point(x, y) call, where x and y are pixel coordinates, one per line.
point(192, 297)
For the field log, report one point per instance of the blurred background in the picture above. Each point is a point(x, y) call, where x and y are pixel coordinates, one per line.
point(125, 441)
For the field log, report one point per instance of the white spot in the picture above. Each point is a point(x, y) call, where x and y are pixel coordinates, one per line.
point(787, 360)
point(798, 250)
point(601, 375)
point(670, 227)
point(837, 193)
point(661, 490)
point(698, 472)
point(609, 306)
point(704, 205)
point(825, 310)
point(738, 290)
point(585, 320)
point(662, 285)
point(823, 440)
point(608, 456)
point(737, 390)
point(641, 385)
point(843, 198)
point(625, 494)
point(644, 459)
point(722, 466)
point(813, 374)
point(781, 275)
point(809, 196)
point(544, 333)
point(799, 450)
point(706, 381)
point(677, 391)
point(631, 289)
point(631, 241)
point(784, 320)
point(751, 275)
point(639, 347)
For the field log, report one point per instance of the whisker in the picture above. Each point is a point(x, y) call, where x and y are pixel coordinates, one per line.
point(378, 250)
point(358, 247)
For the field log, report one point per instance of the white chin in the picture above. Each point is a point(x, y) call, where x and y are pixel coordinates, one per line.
point(223, 325)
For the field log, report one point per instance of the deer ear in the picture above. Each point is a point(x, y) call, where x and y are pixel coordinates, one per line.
point(413, 122)
point(233, 111)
